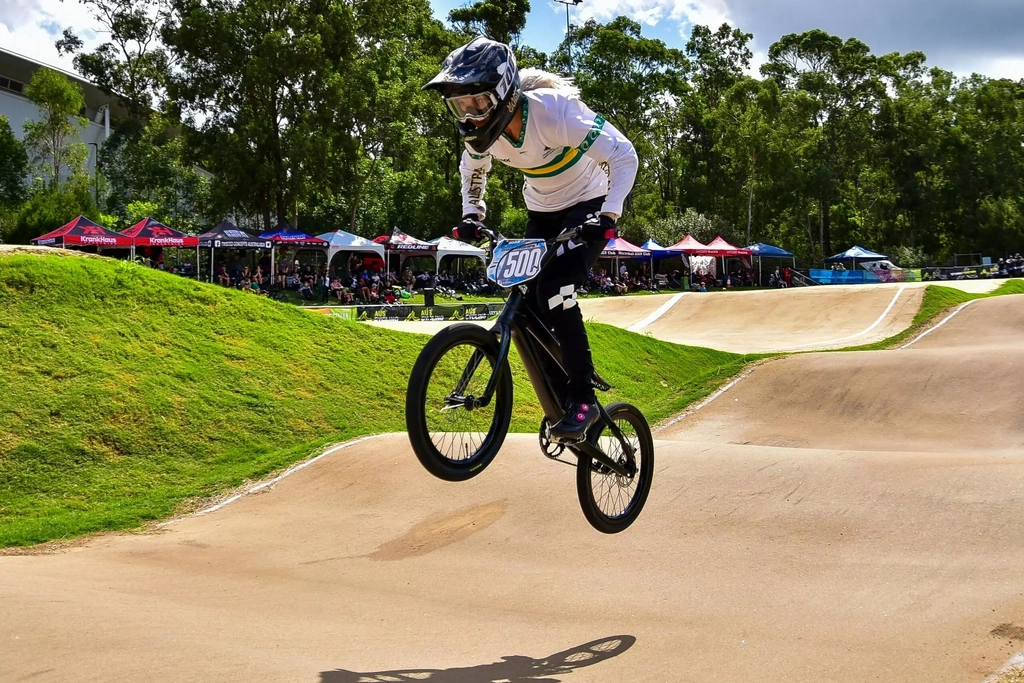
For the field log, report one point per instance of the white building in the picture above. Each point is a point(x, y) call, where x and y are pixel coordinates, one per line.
point(15, 73)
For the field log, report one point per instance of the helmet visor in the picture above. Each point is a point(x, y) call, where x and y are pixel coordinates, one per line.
point(472, 107)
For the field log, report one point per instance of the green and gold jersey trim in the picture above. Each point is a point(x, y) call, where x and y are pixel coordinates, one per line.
point(522, 133)
point(569, 155)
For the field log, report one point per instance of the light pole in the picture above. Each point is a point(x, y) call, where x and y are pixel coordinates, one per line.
point(568, 29)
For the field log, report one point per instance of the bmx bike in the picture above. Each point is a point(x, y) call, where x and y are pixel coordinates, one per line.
point(459, 401)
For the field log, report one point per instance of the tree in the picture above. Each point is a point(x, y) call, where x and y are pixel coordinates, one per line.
point(704, 228)
point(746, 117)
point(842, 80)
point(13, 167)
point(49, 208)
point(132, 64)
point(501, 20)
point(621, 74)
point(151, 165)
point(52, 142)
point(260, 83)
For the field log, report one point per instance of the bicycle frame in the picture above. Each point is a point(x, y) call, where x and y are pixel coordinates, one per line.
point(541, 354)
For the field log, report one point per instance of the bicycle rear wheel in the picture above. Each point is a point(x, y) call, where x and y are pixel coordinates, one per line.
point(612, 502)
point(452, 441)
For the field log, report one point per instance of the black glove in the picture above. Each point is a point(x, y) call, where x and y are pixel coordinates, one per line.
point(598, 228)
point(469, 229)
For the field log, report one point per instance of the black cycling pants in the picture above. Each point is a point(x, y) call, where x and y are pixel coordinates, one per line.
point(556, 290)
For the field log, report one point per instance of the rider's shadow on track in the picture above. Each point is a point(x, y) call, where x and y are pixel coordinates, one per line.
point(511, 669)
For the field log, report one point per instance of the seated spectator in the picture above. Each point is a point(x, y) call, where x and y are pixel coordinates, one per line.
point(306, 289)
point(223, 278)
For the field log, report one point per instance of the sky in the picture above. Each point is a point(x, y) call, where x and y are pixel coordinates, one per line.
point(963, 36)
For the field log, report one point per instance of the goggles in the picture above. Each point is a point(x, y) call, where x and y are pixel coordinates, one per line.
point(472, 107)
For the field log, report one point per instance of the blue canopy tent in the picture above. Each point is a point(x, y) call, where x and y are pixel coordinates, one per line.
point(855, 253)
point(660, 252)
point(762, 250)
point(285, 234)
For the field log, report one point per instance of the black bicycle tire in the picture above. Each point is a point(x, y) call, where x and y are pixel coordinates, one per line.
point(415, 404)
point(584, 491)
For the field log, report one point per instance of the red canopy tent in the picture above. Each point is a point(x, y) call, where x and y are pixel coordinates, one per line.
point(691, 246)
point(726, 248)
point(83, 232)
point(149, 232)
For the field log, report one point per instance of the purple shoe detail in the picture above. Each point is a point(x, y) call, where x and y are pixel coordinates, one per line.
point(580, 417)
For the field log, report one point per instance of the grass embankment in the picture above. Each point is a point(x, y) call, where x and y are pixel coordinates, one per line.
point(128, 391)
point(937, 301)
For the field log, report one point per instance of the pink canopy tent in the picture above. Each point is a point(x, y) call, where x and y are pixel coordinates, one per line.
point(618, 248)
point(690, 245)
point(717, 247)
point(728, 249)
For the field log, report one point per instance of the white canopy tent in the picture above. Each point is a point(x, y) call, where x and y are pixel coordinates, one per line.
point(447, 246)
point(339, 240)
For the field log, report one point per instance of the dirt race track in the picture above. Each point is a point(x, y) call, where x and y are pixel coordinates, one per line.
point(833, 517)
point(798, 319)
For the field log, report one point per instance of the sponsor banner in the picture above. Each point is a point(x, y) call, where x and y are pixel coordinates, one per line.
point(480, 311)
point(90, 239)
point(959, 273)
point(412, 247)
point(238, 244)
point(167, 241)
point(889, 275)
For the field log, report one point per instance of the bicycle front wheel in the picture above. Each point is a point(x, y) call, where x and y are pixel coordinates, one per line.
point(452, 438)
point(611, 502)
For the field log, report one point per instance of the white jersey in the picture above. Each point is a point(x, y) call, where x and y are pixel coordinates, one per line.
point(560, 151)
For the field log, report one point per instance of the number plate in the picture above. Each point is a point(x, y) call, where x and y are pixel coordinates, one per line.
point(516, 261)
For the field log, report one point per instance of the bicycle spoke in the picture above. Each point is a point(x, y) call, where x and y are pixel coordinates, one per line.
point(613, 493)
point(456, 431)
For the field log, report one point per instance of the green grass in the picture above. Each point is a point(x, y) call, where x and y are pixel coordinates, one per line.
point(128, 392)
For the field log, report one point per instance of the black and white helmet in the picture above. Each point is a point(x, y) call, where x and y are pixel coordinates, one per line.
point(480, 81)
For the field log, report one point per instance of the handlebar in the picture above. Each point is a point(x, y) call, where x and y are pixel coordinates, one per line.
point(564, 236)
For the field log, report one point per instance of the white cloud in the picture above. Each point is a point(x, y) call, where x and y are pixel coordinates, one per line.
point(995, 67)
point(30, 28)
point(686, 13)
